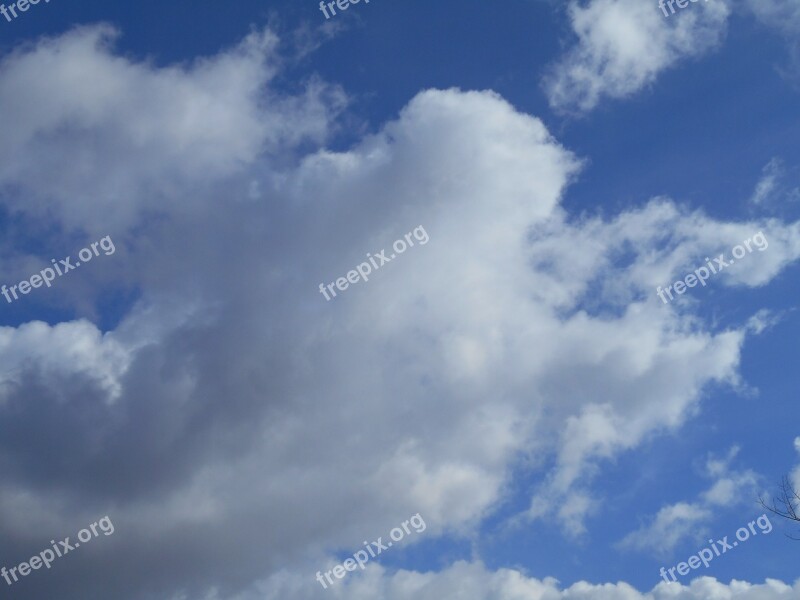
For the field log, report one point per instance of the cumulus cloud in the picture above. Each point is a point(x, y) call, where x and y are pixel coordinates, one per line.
point(623, 45)
point(245, 427)
point(66, 349)
point(473, 581)
point(149, 131)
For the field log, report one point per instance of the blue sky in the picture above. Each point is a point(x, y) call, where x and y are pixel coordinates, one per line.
point(517, 382)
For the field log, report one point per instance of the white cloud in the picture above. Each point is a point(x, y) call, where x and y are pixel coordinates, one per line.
point(766, 187)
point(780, 14)
point(671, 525)
point(772, 189)
point(677, 522)
point(473, 581)
point(149, 131)
point(624, 44)
point(60, 351)
point(255, 427)
point(730, 487)
point(783, 17)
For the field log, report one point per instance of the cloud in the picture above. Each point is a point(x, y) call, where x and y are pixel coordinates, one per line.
point(149, 131)
point(777, 13)
point(769, 181)
point(623, 45)
point(671, 525)
point(677, 522)
point(473, 581)
point(232, 418)
point(66, 349)
point(783, 17)
point(771, 189)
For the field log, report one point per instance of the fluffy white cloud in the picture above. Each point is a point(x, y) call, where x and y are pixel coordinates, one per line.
point(153, 133)
point(729, 486)
point(61, 351)
point(250, 427)
point(623, 45)
point(473, 581)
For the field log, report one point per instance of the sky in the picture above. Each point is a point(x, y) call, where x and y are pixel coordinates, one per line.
point(515, 279)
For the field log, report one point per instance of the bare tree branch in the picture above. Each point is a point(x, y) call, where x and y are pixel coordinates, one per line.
point(789, 501)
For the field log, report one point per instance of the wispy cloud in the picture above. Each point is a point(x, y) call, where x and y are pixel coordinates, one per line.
point(677, 522)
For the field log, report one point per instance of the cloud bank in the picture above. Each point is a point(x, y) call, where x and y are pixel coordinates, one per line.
point(233, 419)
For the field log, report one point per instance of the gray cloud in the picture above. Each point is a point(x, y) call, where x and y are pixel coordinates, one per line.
point(238, 428)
